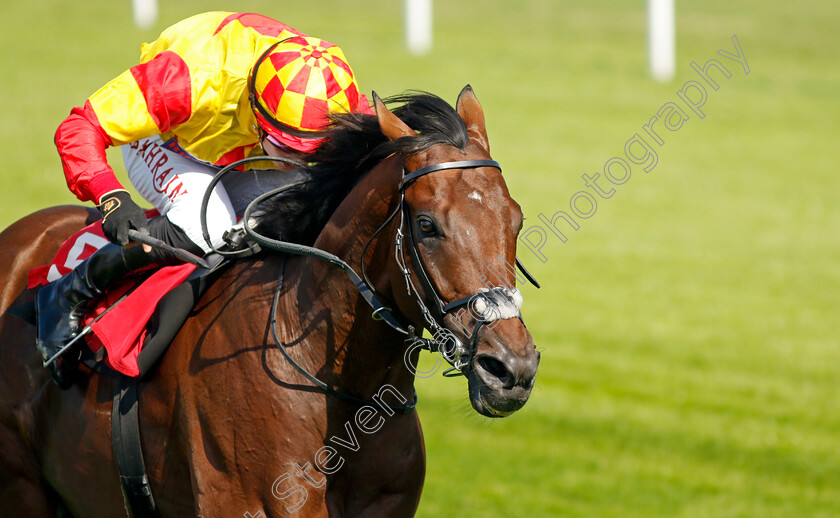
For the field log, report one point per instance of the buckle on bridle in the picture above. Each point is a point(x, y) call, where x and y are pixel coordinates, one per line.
point(447, 344)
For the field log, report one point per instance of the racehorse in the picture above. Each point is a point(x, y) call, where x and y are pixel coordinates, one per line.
point(228, 426)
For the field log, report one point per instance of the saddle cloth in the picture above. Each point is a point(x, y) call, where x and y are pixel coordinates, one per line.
point(122, 331)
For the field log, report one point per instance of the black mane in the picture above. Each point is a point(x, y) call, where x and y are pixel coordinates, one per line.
point(353, 145)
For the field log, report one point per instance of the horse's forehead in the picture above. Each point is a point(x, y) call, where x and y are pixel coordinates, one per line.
point(449, 189)
point(484, 185)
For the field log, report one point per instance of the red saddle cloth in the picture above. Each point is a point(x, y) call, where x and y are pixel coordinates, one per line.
point(122, 331)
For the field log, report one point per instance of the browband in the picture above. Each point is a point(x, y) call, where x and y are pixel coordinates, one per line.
point(461, 164)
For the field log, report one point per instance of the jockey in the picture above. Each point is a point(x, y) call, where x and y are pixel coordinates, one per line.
point(212, 89)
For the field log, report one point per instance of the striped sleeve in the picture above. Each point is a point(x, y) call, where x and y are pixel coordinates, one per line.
point(146, 100)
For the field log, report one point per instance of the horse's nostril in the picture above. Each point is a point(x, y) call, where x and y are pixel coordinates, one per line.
point(494, 367)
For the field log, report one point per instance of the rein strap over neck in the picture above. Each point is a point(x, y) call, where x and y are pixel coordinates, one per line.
point(457, 355)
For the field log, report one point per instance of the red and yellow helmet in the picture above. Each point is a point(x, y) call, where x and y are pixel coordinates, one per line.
point(296, 83)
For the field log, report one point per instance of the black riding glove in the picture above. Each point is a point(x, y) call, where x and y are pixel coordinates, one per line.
point(119, 214)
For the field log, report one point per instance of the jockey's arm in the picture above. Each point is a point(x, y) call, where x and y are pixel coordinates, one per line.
point(146, 100)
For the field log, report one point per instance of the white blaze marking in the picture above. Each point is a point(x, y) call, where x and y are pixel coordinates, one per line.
point(474, 195)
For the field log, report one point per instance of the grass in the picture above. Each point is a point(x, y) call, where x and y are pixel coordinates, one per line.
point(688, 329)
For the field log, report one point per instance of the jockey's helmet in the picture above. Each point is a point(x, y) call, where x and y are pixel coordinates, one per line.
point(295, 84)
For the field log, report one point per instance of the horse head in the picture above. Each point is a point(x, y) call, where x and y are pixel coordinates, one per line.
point(456, 246)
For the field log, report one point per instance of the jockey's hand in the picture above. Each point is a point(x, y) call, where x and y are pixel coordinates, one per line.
point(119, 215)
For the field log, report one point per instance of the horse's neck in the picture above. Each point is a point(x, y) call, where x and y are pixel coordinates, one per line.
point(361, 354)
point(363, 210)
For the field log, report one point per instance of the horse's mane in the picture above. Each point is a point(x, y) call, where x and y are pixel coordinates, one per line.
point(353, 145)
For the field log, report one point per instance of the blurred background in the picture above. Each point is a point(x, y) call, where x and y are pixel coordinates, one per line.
point(690, 353)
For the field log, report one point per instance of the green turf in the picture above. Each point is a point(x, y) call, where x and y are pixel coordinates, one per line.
point(688, 329)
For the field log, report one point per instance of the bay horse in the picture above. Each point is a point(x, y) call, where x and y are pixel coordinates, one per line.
point(228, 426)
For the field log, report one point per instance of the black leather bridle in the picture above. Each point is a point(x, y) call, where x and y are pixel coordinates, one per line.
point(443, 340)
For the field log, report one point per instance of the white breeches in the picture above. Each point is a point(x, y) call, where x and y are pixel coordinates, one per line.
point(175, 186)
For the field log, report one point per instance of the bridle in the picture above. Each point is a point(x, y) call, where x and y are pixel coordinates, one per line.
point(458, 354)
point(443, 340)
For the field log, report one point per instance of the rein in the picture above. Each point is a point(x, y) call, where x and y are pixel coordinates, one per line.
point(403, 409)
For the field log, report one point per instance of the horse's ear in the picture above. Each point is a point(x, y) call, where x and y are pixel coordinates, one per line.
point(473, 116)
point(391, 125)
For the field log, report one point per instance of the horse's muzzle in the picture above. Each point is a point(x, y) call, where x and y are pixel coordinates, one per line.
point(500, 380)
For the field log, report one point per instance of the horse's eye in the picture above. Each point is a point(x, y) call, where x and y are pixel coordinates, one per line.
point(427, 226)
